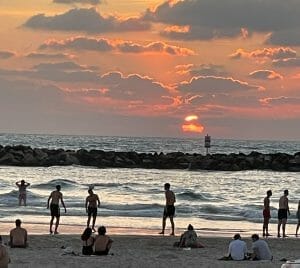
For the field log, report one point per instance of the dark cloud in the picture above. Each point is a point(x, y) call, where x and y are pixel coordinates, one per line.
point(7, 54)
point(36, 55)
point(85, 20)
point(292, 62)
point(282, 100)
point(209, 19)
point(103, 45)
point(288, 37)
point(212, 84)
point(271, 53)
point(265, 75)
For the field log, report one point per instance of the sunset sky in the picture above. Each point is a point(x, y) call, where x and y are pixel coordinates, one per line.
point(229, 68)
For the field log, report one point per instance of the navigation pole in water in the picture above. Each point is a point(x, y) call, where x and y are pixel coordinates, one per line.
point(207, 143)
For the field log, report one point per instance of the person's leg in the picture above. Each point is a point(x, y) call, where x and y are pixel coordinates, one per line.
point(94, 222)
point(297, 228)
point(283, 227)
point(264, 226)
point(24, 200)
point(56, 225)
point(51, 223)
point(267, 226)
point(172, 224)
point(20, 200)
point(88, 220)
point(163, 225)
point(278, 228)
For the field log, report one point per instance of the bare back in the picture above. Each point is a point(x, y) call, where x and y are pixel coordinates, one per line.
point(92, 200)
point(55, 197)
point(170, 198)
point(283, 202)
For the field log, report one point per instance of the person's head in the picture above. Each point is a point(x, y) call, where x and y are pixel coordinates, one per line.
point(22, 182)
point(90, 191)
point(255, 237)
point(86, 234)
point(286, 192)
point(18, 222)
point(269, 193)
point(167, 186)
point(58, 187)
point(190, 227)
point(101, 230)
point(237, 236)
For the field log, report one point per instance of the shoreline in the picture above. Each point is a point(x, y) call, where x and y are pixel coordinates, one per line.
point(143, 251)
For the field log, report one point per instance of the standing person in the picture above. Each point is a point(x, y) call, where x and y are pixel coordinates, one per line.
point(18, 236)
point(261, 250)
point(298, 217)
point(22, 191)
point(169, 209)
point(267, 213)
point(55, 196)
point(283, 212)
point(91, 203)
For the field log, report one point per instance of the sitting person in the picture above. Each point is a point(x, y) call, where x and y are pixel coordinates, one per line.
point(237, 249)
point(18, 236)
point(4, 257)
point(189, 239)
point(260, 249)
point(103, 242)
point(87, 242)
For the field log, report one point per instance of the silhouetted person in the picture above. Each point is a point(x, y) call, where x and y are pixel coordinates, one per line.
point(103, 242)
point(91, 203)
point(22, 191)
point(267, 213)
point(18, 236)
point(55, 197)
point(87, 242)
point(4, 257)
point(298, 217)
point(169, 210)
point(283, 212)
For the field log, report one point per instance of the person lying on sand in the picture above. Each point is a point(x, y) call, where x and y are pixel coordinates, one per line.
point(189, 239)
point(103, 242)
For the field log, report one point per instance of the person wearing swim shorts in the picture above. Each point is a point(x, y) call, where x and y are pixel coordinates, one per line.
point(169, 210)
point(55, 197)
point(283, 213)
point(267, 213)
point(91, 203)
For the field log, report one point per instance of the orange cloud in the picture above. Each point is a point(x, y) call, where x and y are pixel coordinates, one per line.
point(192, 127)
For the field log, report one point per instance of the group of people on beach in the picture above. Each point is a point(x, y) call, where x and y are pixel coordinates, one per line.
point(283, 213)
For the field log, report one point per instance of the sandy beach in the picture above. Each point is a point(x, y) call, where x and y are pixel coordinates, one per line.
point(142, 250)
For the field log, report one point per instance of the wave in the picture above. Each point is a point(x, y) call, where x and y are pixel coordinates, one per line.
point(64, 183)
point(190, 195)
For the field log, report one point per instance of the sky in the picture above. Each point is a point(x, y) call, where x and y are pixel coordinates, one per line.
point(229, 68)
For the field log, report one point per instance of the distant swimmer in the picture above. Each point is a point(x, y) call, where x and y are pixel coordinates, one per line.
point(267, 213)
point(55, 197)
point(22, 191)
point(169, 210)
point(283, 213)
point(91, 203)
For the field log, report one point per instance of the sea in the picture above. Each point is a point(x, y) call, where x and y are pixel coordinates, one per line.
point(134, 198)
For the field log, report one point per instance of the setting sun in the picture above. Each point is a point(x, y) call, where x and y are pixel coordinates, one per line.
point(191, 118)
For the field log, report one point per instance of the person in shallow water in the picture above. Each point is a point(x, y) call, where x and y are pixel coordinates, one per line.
point(169, 210)
point(22, 191)
point(55, 197)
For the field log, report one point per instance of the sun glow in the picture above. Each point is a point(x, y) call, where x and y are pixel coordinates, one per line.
point(190, 118)
point(192, 124)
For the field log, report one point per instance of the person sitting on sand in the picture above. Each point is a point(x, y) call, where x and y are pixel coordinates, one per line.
point(4, 257)
point(261, 250)
point(18, 236)
point(237, 249)
point(103, 242)
point(189, 239)
point(22, 191)
point(298, 217)
point(87, 242)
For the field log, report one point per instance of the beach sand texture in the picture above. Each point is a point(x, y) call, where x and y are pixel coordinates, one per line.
point(143, 251)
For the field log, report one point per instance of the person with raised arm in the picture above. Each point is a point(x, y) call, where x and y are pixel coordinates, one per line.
point(22, 185)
